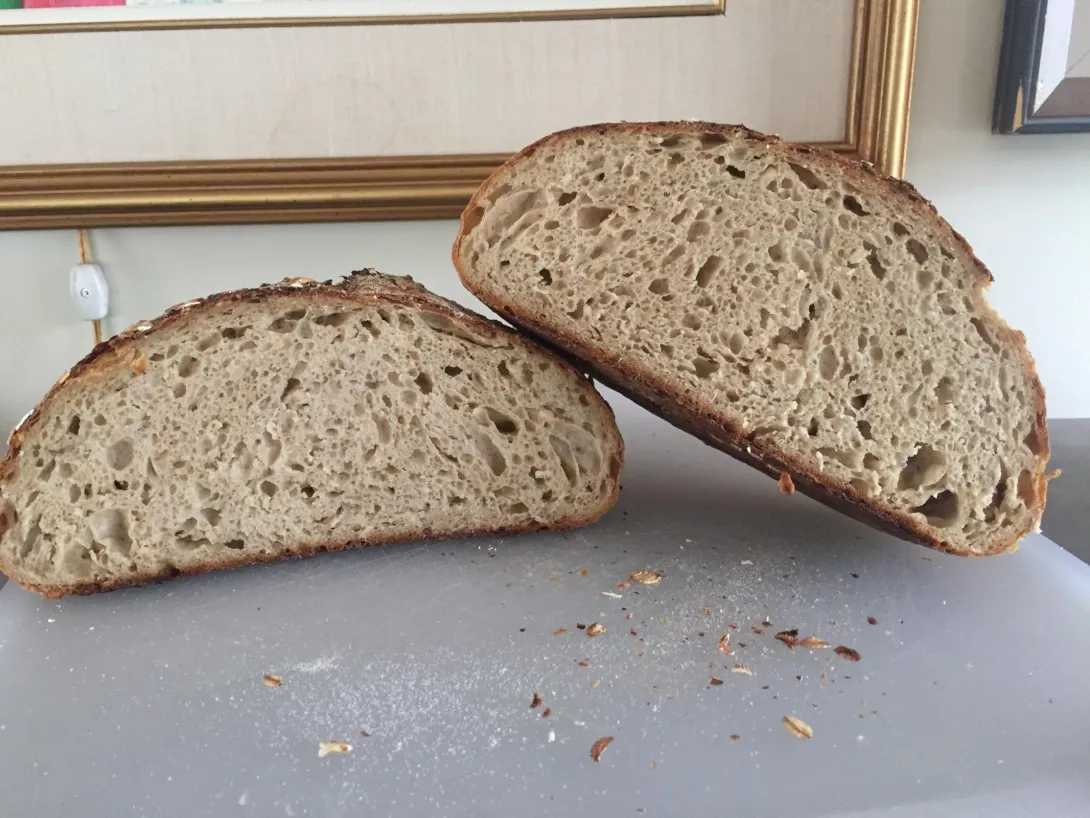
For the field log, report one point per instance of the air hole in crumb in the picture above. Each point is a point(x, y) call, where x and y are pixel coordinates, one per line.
point(546, 276)
point(876, 265)
point(871, 462)
point(1027, 491)
point(775, 252)
point(333, 319)
point(680, 217)
point(590, 216)
point(73, 425)
point(424, 382)
point(504, 423)
point(566, 199)
point(518, 508)
point(899, 229)
point(807, 176)
point(827, 363)
point(864, 429)
point(710, 140)
point(941, 510)
point(453, 371)
point(307, 491)
point(698, 230)
point(473, 217)
point(231, 333)
point(705, 367)
point(918, 251)
point(660, 286)
point(983, 332)
point(268, 489)
point(852, 204)
point(235, 544)
point(946, 390)
point(1033, 441)
point(119, 454)
point(736, 172)
point(490, 453)
point(859, 401)
point(925, 468)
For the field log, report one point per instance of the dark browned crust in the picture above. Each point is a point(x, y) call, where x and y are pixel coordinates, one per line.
point(361, 287)
point(649, 390)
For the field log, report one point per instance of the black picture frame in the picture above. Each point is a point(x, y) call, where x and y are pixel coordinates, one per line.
point(1017, 109)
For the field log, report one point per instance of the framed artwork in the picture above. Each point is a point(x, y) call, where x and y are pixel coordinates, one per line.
point(277, 118)
point(1044, 68)
point(111, 15)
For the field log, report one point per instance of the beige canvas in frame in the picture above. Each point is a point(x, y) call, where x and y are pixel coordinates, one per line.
point(242, 124)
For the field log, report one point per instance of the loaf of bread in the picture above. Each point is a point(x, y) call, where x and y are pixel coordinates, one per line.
point(795, 309)
point(286, 420)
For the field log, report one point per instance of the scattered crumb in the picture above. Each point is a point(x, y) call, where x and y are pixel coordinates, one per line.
point(598, 746)
point(734, 737)
point(536, 701)
point(758, 631)
point(813, 642)
point(645, 577)
point(546, 712)
point(584, 573)
point(559, 631)
point(797, 727)
point(832, 621)
point(706, 610)
point(139, 365)
point(747, 562)
point(767, 623)
point(655, 764)
point(596, 682)
point(847, 653)
point(365, 734)
point(610, 593)
point(583, 663)
point(628, 616)
point(714, 681)
point(741, 669)
point(327, 747)
point(787, 485)
point(639, 654)
point(871, 620)
point(700, 633)
point(632, 631)
point(581, 626)
point(594, 629)
point(789, 638)
point(552, 736)
point(272, 681)
point(724, 644)
point(622, 586)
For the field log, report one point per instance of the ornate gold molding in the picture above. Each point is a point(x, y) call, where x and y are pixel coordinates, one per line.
point(411, 187)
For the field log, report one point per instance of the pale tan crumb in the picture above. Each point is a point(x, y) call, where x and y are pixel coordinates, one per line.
point(594, 629)
point(584, 573)
point(272, 681)
point(797, 727)
point(559, 631)
point(598, 746)
point(338, 747)
point(645, 577)
point(724, 644)
point(787, 485)
point(596, 682)
point(813, 642)
point(706, 610)
point(741, 669)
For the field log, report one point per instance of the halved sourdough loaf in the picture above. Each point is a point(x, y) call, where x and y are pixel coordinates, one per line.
point(797, 310)
point(295, 418)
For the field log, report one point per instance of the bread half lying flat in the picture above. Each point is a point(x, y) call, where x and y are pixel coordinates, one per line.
point(797, 310)
point(301, 417)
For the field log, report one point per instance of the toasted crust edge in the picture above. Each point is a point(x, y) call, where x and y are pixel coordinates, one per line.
point(360, 287)
point(645, 389)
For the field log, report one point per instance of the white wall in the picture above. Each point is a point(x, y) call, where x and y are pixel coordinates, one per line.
point(1023, 202)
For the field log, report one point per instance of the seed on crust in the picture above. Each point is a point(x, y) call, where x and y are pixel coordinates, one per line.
point(797, 727)
point(598, 746)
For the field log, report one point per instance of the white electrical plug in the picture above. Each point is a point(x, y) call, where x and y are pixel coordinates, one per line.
point(89, 292)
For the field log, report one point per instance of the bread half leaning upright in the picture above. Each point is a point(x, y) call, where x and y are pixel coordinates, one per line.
point(795, 309)
point(295, 418)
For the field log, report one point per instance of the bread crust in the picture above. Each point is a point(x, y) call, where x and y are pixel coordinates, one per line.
point(654, 393)
point(364, 287)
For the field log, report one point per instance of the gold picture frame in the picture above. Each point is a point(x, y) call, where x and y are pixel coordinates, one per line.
point(409, 187)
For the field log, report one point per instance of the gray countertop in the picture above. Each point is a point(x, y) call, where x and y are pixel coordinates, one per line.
point(968, 697)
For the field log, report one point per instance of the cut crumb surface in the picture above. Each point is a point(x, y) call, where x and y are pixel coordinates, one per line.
point(594, 629)
point(645, 577)
point(272, 681)
point(333, 747)
point(714, 681)
point(559, 631)
point(787, 485)
point(598, 746)
point(871, 620)
point(847, 653)
point(813, 642)
point(741, 669)
point(536, 701)
point(789, 637)
point(724, 644)
point(797, 727)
